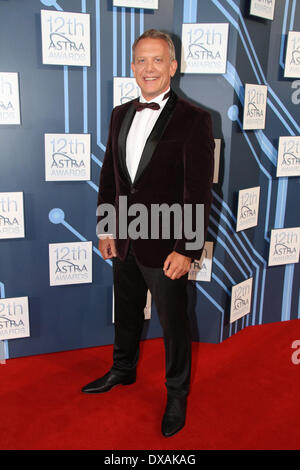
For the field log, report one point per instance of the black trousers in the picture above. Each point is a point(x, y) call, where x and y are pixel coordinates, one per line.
point(131, 283)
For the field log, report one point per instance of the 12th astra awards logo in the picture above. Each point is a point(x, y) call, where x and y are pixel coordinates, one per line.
point(11, 215)
point(204, 48)
point(67, 157)
point(292, 61)
point(288, 163)
point(284, 246)
point(9, 98)
point(65, 38)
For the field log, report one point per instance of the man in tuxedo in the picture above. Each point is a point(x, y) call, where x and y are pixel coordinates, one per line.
point(159, 151)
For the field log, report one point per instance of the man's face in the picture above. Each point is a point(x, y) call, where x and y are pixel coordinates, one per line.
point(152, 67)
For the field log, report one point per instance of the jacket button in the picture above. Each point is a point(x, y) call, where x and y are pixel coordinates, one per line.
point(133, 190)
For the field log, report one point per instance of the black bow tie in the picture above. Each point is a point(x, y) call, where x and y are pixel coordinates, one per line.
point(140, 106)
point(152, 105)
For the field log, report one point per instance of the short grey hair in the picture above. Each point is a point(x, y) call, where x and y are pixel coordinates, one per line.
point(155, 34)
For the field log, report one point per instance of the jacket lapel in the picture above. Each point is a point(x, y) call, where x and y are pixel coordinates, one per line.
point(152, 140)
point(125, 126)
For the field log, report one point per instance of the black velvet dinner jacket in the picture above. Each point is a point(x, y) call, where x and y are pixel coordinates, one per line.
point(176, 166)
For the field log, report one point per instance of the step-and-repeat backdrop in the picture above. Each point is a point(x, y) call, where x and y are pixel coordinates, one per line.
point(64, 65)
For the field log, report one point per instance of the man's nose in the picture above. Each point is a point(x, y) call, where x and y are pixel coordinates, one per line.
point(149, 66)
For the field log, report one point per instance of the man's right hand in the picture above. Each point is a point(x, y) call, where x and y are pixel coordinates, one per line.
point(107, 248)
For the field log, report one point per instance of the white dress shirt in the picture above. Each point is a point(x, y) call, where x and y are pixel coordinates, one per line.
point(141, 127)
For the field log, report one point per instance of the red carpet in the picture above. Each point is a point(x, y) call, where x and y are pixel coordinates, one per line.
point(245, 395)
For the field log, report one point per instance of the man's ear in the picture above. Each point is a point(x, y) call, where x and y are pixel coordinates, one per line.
point(174, 65)
point(133, 68)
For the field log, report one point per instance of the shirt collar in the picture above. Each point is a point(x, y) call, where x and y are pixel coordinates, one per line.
point(158, 99)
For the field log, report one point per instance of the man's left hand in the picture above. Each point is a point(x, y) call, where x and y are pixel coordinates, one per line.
point(176, 265)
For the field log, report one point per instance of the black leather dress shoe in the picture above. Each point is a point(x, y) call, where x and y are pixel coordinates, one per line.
point(108, 381)
point(174, 417)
